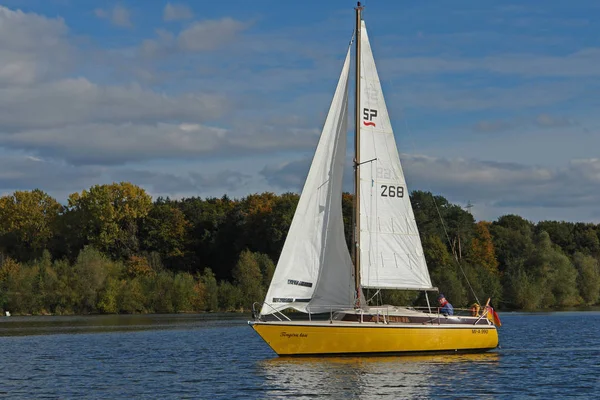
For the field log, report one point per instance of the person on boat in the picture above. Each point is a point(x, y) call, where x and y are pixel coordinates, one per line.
point(475, 309)
point(445, 307)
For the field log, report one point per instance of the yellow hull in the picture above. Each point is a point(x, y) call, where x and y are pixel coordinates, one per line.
point(294, 338)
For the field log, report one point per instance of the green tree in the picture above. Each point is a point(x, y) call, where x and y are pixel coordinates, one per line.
point(444, 271)
point(131, 298)
point(549, 268)
point(248, 278)
point(588, 280)
point(513, 241)
point(560, 233)
point(90, 272)
point(586, 239)
point(164, 230)
point(183, 292)
point(107, 217)
point(230, 297)
point(211, 290)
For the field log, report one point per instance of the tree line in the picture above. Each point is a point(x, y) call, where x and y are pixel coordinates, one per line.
point(111, 249)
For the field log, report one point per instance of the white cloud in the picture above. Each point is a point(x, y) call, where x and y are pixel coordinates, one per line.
point(32, 47)
point(118, 15)
point(176, 12)
point(112, 144)
point(79, 101)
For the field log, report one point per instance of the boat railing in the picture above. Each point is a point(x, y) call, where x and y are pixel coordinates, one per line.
point(276, 313)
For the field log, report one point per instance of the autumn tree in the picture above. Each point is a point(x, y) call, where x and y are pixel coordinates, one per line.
point(27, 223)
point(482, 248)
point(107, 216)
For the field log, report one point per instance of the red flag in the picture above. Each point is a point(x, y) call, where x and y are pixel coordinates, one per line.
point(492, 315)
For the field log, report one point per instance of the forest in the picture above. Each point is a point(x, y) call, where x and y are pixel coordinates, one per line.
point(112, 249)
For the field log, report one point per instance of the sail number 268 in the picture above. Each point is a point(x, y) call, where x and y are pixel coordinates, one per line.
point(392, 191)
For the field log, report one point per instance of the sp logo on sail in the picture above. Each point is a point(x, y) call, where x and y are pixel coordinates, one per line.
point(368, 115)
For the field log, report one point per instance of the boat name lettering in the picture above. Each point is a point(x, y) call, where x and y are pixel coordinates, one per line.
point(299, 283)
point(392, 191)
point(484, 331)
point(291, 335)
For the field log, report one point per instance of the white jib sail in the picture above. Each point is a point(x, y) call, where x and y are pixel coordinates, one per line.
point(314, 272)
point(390, 247)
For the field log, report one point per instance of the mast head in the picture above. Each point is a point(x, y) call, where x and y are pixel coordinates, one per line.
point(359, 6)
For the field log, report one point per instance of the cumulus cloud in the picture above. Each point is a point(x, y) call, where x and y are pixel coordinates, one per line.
point(32, 48)
point(114, 144)
point(78, 101)
point(176, 12)
point(118, 16)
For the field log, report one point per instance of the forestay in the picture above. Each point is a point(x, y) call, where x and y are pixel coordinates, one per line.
point(314, 271)
point(391, 251)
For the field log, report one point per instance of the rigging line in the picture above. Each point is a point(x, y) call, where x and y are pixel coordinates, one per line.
point(454, 252)
point(376, 293)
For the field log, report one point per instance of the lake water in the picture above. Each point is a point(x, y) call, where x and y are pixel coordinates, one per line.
point(545, 355)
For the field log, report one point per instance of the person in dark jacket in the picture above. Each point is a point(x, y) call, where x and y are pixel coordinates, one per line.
point(445, 307)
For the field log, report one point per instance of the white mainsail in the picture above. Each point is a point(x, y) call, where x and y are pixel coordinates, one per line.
point(314, 271)
point(390, 247)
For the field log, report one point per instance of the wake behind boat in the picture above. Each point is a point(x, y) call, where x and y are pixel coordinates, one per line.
point(315, 273)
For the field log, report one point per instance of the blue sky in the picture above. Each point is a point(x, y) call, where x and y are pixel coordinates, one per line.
point(493, 103)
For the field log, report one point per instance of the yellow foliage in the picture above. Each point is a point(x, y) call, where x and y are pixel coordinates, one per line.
point(10, 268)
point(30, 216)
point(482, 247)
point(138, 266)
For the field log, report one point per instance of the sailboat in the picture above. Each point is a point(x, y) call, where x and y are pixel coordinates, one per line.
point(316, 274)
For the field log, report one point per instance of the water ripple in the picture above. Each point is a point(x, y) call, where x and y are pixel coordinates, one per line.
point(201, 357)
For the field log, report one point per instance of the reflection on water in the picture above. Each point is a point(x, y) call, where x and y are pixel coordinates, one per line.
point(371, 377)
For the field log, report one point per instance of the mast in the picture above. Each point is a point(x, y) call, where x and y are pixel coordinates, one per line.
point(356, 248)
